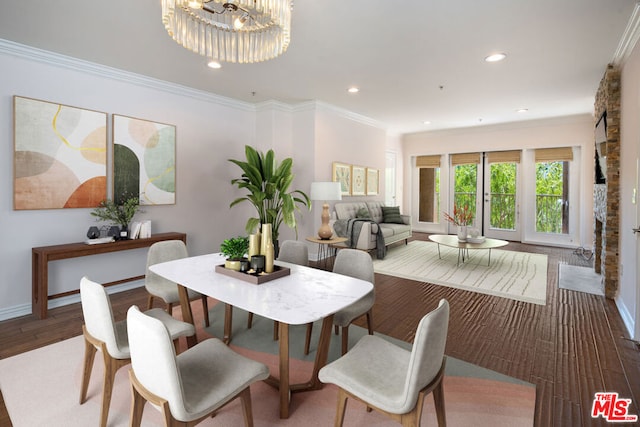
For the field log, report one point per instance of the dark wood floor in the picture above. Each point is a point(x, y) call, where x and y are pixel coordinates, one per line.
point(570, 348)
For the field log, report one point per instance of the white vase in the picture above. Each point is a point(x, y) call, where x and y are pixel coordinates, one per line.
point(462, 233)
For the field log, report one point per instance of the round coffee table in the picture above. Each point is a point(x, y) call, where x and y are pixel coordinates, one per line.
point(463, 247)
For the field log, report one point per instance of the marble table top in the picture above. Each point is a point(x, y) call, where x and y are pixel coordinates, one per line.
point(304, 296)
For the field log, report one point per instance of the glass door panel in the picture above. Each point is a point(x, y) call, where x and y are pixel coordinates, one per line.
point(466, 192)
point(501, 201)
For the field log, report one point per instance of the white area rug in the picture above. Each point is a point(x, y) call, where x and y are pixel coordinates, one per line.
point(581, 279)
point(521, 276)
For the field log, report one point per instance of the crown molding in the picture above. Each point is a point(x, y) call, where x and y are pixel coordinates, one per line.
point(629, 38)
point(74, 64)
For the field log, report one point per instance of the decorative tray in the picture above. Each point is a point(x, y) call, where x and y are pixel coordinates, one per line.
point(256, 279)
point(479, 239)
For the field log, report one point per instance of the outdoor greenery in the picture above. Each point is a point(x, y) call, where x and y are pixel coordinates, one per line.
point(268, 182)
point(117, 214)
point(549, 197)
point(549, 194)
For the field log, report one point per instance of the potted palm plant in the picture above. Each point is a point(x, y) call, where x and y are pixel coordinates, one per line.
point(268, 184)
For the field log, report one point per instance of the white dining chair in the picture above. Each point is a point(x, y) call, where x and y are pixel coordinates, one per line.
point(390, 379)
point(162, 288)
point(358, 264)
point(191, 386)
point(102, 333)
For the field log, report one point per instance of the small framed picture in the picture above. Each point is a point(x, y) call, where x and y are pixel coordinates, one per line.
point(372, 181)
point(358, 181)
point(342, 174)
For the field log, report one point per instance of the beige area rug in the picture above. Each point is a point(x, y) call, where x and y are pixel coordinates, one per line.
point(41, 388)
point(520, 276)
point(580, 279)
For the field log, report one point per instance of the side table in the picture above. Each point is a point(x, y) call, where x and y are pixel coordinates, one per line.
point(325, 249)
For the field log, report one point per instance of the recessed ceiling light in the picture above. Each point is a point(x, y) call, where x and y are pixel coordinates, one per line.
point(522, 110)
point(353, 89)
point(426, 122)
point(495, 57)
point(214, 64)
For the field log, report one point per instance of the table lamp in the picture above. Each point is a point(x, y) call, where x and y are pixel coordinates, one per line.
point(325, 191)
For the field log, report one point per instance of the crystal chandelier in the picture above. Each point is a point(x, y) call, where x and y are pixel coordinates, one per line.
point(241, 31)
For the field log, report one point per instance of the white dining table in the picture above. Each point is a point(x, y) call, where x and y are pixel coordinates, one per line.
point(305, 295)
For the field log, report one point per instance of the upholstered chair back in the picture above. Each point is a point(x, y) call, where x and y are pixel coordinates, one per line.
point(99, 321)
point(427, 353)
point(354, 263)
point(294, 252)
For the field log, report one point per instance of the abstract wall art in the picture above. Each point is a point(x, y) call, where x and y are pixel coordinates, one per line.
point(59, 155)
point(144, 160)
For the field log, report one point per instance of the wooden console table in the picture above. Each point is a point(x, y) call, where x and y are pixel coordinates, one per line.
point(41, 256)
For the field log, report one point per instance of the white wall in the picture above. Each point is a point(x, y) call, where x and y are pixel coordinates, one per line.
point(628, 299)
point(558, 132)
point(210, 130)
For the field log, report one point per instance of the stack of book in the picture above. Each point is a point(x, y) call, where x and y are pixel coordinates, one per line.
point(140, 230)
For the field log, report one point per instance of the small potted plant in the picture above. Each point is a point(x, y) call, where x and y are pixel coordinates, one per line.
point(235, 250)
point(118, 213)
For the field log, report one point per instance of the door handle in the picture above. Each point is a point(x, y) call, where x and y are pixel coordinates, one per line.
point(636, 230)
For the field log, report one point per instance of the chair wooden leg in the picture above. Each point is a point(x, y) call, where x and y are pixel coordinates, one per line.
point(336, 329)
point(249, 320)
point(205, 310)
point(370, 321)
point(438, 399)
point(149, 302)
point(137, 405)
point(275, 330)
point(345, 339)
point(342, 405)
point(170, 308)
point(107, 387)
point(89, 356)
point(247, 412)
point(307, 338)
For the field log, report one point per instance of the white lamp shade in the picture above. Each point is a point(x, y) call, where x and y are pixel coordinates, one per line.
point(325, 191)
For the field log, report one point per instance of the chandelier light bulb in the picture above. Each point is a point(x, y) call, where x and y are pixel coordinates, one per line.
point(194, 4)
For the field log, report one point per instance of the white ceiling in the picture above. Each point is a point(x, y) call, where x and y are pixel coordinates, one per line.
point(413, 60)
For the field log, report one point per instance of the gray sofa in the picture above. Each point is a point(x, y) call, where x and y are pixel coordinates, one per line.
point(392, 233)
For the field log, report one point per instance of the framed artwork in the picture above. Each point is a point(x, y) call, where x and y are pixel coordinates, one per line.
point(359, 181)
point(60, 155)
point(342, 174)
point(144, 160)
point(372, 181)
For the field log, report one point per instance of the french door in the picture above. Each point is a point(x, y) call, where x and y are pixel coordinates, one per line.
point(487, 184)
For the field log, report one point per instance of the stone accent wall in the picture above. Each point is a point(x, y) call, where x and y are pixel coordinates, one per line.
point(607, 196)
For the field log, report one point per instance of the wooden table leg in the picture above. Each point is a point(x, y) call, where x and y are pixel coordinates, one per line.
point(285, 392)
point(187, 315)
point(285, 389)
point(39, 286)
point(228, 322)
point(322, 354)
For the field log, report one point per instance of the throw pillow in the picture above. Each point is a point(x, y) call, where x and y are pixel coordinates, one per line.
point(391, 214)
point(363, 213)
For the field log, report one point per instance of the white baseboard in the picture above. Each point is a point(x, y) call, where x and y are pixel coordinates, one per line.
point(627, 318)
point(25, 309)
